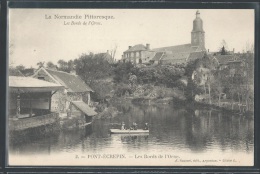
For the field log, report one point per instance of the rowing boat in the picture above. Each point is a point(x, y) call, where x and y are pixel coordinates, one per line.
point(128, 131)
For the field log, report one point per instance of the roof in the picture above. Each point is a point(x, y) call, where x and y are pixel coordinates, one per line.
point(72, 83)
point(196, 55)
point(106, 56)
point(224, 59)
point(29, 84)
point(157, 56)
point(247, 57)
point(139, 47)
point(178, 57)
point(177, 48)
point(84, 108)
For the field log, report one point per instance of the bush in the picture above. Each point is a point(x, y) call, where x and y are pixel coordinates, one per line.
point(160, 93)
point(100, 107)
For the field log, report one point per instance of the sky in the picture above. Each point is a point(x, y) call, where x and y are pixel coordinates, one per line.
point(33, 37)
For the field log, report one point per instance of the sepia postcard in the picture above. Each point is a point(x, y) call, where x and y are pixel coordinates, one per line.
point(130, 87)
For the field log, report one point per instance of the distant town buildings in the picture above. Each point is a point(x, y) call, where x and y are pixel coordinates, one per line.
point(179, 54)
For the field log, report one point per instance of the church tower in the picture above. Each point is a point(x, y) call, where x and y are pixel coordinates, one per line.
point(198, 34)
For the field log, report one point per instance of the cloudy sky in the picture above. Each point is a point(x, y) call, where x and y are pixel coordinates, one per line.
point(33, 38)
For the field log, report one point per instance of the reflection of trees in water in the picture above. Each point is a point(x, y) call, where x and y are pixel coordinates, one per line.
point(134, 138)
point(199, 130)
point(170, 126)
point(235, 132)
point(134, 141)
point(167, 126)
point(38, 140)
point(198, 134)
point(33, 140)
point(124, 107)
point(131, 114)
point(209, 129)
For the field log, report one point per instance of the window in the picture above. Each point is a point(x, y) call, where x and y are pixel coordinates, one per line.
point(41, 78)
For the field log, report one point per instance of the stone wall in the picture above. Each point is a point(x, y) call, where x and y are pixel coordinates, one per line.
point(31, 122)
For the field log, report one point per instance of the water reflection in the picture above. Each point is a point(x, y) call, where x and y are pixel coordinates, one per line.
point(171, 128)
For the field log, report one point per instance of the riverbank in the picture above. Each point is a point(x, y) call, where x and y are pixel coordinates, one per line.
point(192, 105)
point(159, 95)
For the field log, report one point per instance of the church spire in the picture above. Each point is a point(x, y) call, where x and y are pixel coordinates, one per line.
point(198, 34)
point(198, 14)
point(197, 22)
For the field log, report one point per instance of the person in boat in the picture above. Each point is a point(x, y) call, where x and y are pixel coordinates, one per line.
point(123, 126)
point(146, 127)
point(134, 126)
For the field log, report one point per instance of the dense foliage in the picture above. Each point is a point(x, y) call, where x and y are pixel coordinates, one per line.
point(202, 76)
point(156, 75)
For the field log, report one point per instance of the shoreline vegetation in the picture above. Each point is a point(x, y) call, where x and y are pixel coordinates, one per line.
point(111, 111)
point(202, 82)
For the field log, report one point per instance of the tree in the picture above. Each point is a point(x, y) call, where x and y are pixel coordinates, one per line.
point(223, 51)
point(92, 67)
point(223, 48)
point(20, 67)
point(192, 88)
point(113, 52)
point(203, 74)
point(71, 65)
point(63, 66)
point(40, 64)
point(132, 81)
point(122, 72)
point(182, 84)
point(102, 90)
point(249, 47)
point(51, 65)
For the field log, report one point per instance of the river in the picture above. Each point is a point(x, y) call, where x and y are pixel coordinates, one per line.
point(194, 135)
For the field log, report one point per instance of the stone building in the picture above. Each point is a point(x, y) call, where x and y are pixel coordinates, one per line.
point(76, 92)
point(138, 54)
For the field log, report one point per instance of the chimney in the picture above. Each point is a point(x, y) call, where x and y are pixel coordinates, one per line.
point(233, 50)
point(122, 56)
point(129, 47)
point(107, 51)
point(73, 72)
point(208, 50)
point(148, 46)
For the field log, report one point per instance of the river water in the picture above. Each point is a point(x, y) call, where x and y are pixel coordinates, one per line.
point(178, 136)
